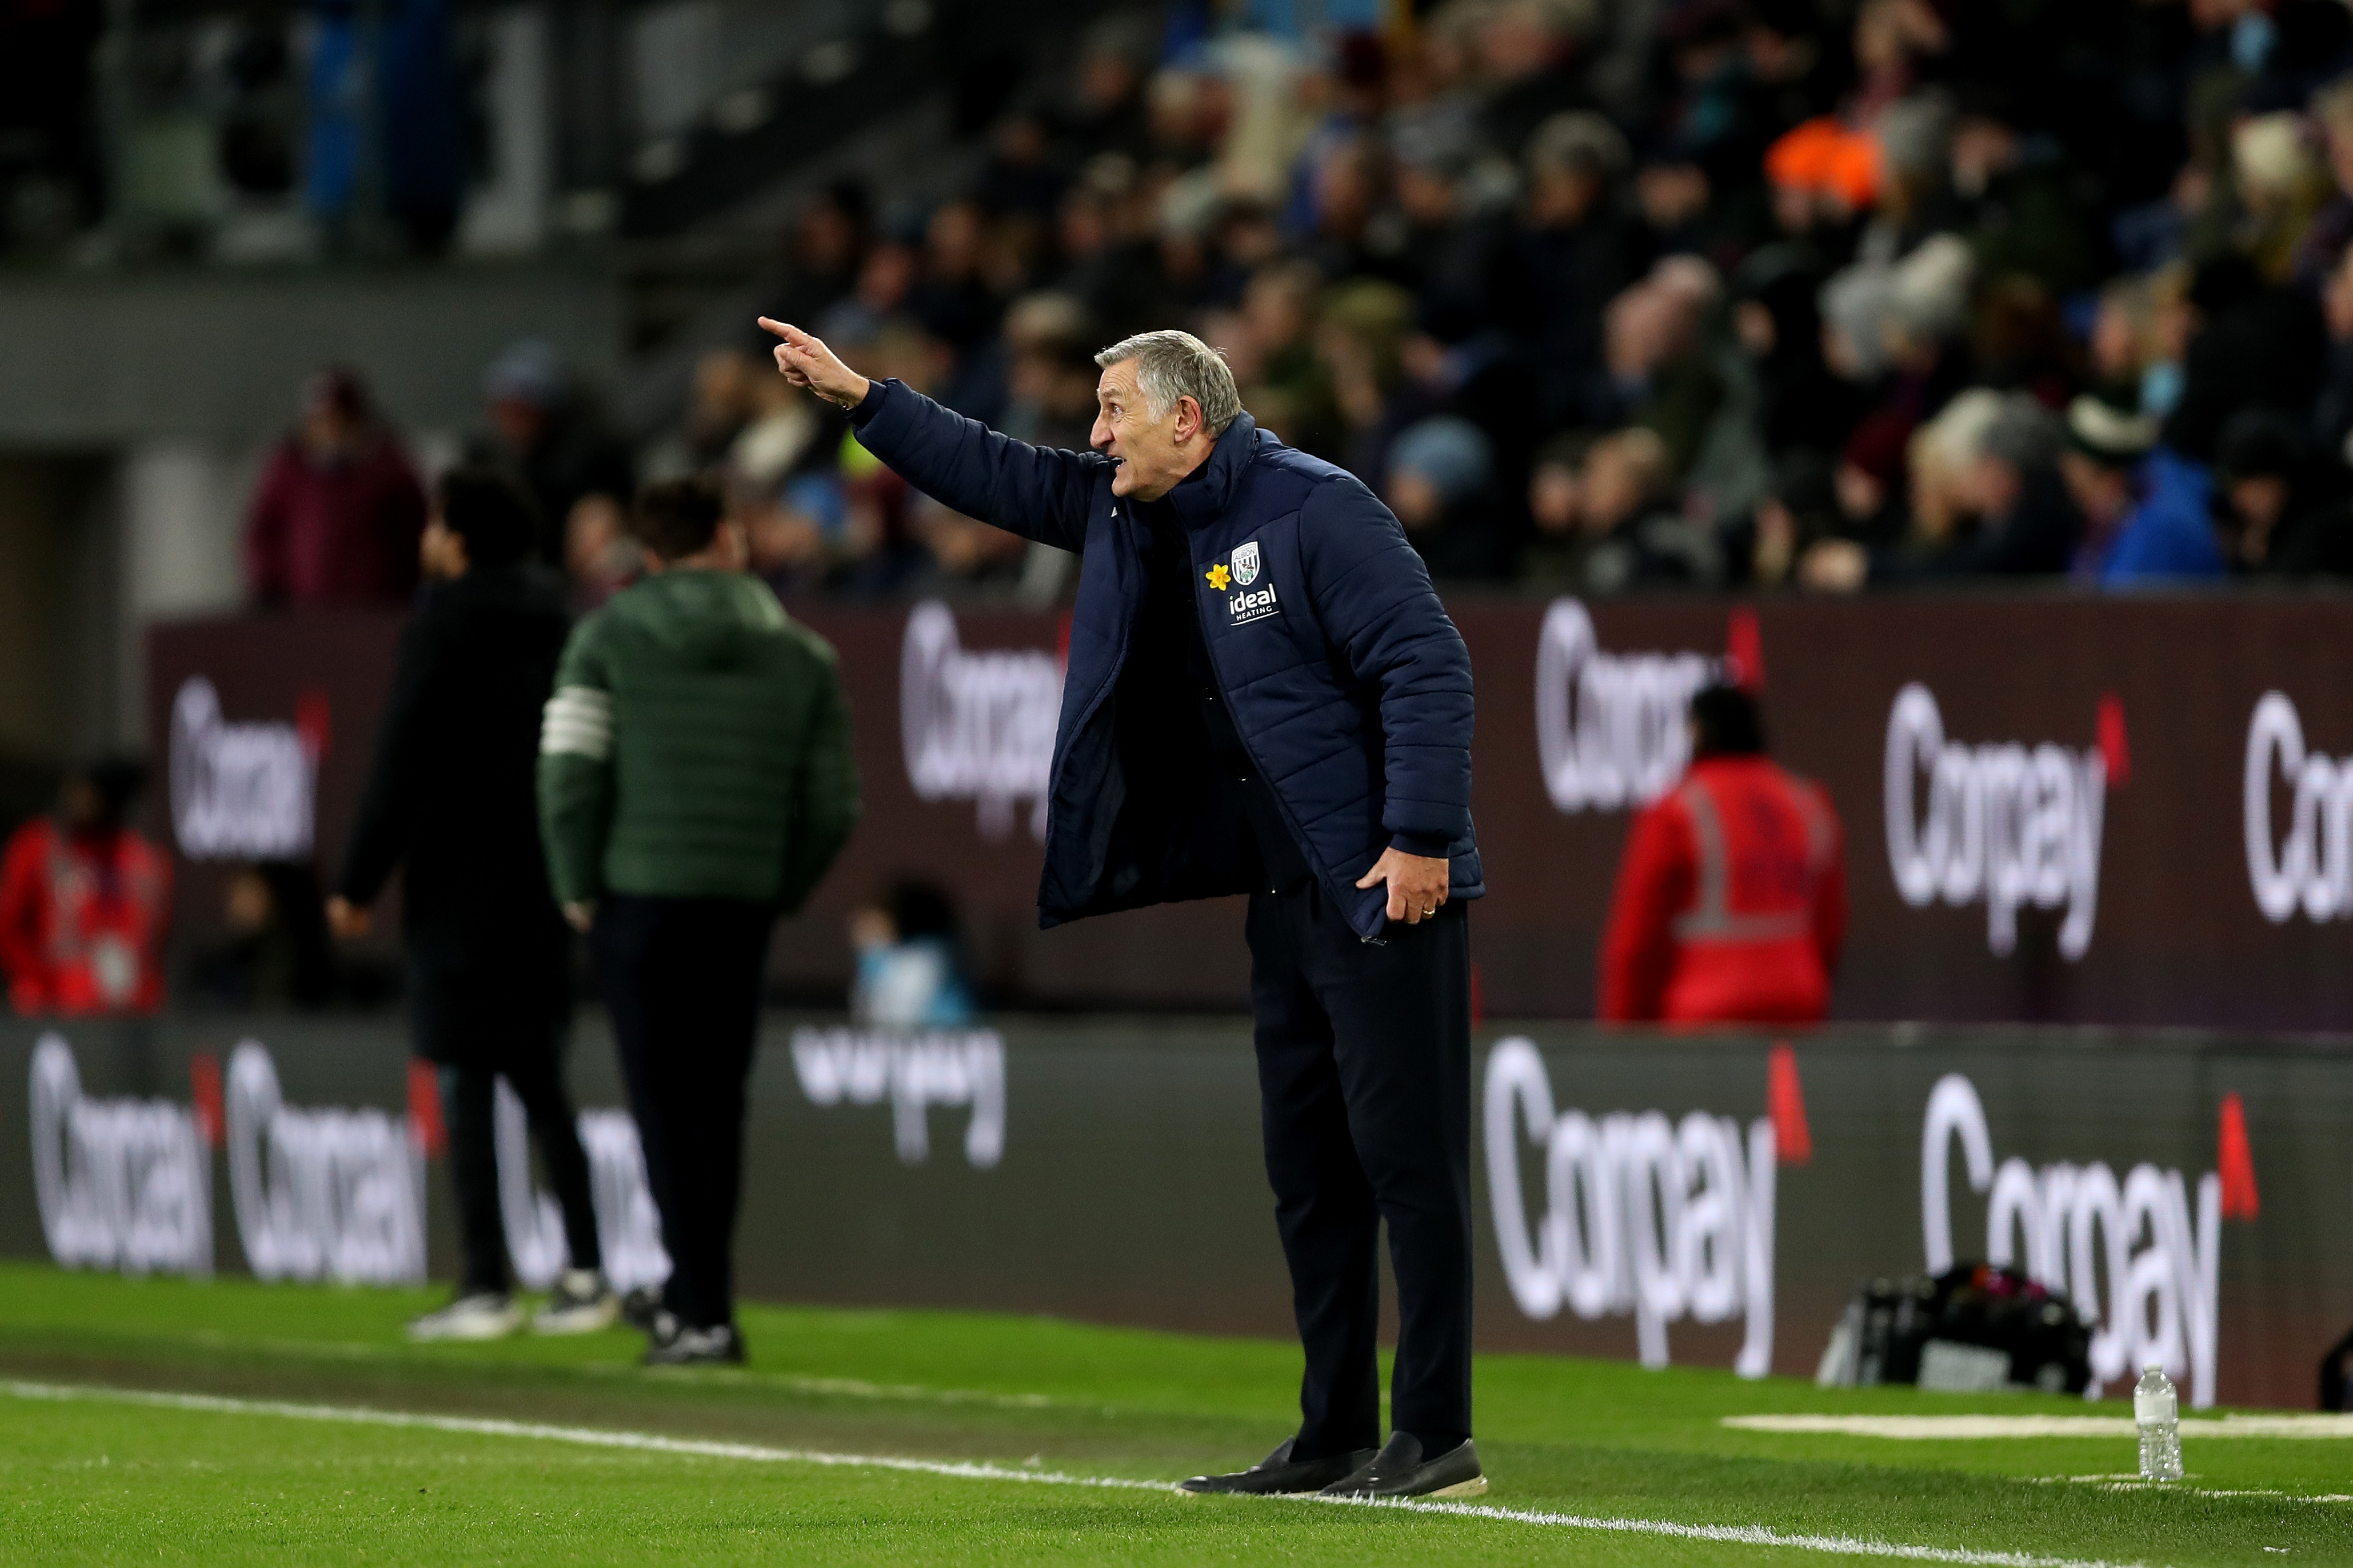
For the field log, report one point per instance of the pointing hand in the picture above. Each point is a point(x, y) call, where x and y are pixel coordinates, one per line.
point(807, 361)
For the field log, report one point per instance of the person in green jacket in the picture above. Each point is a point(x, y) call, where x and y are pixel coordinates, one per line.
point(695, 781)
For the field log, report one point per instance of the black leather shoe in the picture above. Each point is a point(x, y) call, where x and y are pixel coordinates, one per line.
point(1399, 1471)
point(1279, 1473)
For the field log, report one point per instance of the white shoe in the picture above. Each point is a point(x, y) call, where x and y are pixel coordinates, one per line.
point(581, 1303)
point(487, 1315)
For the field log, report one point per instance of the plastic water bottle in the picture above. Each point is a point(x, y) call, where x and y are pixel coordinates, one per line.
point(2158, 1414)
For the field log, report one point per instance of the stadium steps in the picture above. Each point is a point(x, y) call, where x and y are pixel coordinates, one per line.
point(898, 98)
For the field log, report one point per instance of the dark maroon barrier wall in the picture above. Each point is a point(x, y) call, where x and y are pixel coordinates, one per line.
point(2148, 786)
point(1697, 1201)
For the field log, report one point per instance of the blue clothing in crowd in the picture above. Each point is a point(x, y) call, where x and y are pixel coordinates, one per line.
point(2170, 535)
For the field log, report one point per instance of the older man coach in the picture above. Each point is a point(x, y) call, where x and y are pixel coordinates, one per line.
point(1265, 696)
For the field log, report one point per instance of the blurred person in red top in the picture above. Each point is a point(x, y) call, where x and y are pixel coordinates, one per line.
point(338, 512)
point(83, 901)
point(1731, 902)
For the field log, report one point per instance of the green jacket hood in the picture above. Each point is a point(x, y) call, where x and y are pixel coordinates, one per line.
point(708, 619)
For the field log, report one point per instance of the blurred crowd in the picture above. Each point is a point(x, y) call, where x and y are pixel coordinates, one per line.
point(1704, 293)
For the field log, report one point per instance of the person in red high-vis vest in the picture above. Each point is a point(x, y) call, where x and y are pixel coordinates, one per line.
point(1731, 901)
point(83, 903)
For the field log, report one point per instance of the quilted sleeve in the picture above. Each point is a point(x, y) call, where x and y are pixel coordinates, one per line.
point(1375, 600)
point(1038, 492)
point(575, 769)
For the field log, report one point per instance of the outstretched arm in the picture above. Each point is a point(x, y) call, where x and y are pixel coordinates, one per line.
point(1038, 492)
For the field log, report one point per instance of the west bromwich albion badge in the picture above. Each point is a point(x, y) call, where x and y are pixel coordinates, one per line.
point(1246, 563)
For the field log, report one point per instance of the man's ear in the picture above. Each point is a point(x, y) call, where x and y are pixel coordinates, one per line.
point(1190, 422)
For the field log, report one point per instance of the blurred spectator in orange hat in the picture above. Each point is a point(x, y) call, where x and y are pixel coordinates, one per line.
point(337, 515)
point(1822, 169)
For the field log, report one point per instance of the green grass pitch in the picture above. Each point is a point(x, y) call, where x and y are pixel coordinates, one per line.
point(146, 1421)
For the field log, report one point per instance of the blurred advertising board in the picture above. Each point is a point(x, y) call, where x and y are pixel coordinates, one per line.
point(1682, 1200)
point(2120, 811)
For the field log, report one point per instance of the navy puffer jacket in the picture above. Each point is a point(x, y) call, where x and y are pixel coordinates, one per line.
point(1350, 686)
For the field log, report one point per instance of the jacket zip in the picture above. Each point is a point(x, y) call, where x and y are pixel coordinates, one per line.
point(1306, 846)
point(1093, 703)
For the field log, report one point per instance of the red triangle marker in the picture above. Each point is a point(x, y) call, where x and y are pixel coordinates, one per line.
point(2236, 1163)
point(424, 1109)
point(2114, 750)
point(1744, 650)
point(1785, 1102)
point(204, 1088)
point(315, 721)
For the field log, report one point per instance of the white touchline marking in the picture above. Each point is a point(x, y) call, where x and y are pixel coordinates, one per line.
point(1930, 1429)
point(845, 1387)
point(2132, 1482)
point(593, 1437)
point(1735, 1534)
point(653, 1442)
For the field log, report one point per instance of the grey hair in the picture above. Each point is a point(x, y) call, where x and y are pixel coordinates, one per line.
point(2025, 434)
point(1579, 139)
point(1170, 364)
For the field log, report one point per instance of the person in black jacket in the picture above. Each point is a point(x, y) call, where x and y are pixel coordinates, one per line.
point(2280, 507)
point(1265, 695)
point(451, 799)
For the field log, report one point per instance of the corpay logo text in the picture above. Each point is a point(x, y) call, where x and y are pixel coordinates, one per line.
point(2069, 1227)
point(121, 1183)
point(1660, 1219)
point(977, 726)
point(1609, 727)
point(2308, 867)
point(239, 791)
point(1999, 824)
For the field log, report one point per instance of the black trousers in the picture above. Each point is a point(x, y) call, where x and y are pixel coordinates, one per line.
point(1364, 1064)
point(681, 978)
point(468, 1102)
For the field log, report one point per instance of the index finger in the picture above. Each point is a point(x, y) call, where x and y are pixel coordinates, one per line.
point(781, 329)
